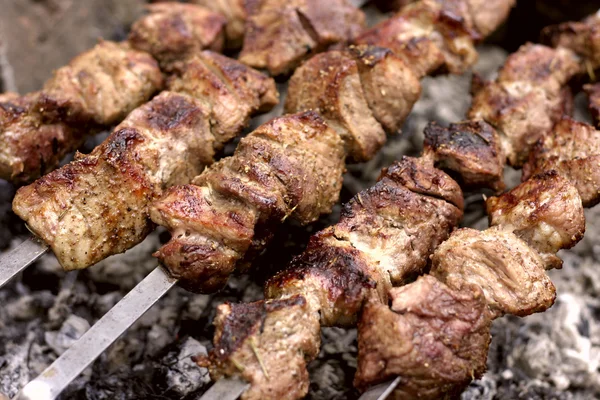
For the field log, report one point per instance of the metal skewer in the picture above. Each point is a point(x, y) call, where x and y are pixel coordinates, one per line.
point(20, 258)
point(50, 383)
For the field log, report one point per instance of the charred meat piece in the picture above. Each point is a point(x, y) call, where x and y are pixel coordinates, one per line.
point(30, 144)
point(254, 341)
point(572, 149)
point(427, 36)
point(510, 273)
point(390, 87)
point(231, 90)
point(353, 90)
point(236, 12)
point(97, 205)
point(97, 88)
point(384, 237)
point(281, 33)
point(471, 150)
point(290, 167)
point(593, 92)
point(102, 85)
point(581, 37)
point(435, 338)
point(173, 30)
point(545, 211)
point(527, 99)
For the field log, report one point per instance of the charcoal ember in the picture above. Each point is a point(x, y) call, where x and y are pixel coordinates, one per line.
point(28, 307)
point(184, 375)
point(70, 331)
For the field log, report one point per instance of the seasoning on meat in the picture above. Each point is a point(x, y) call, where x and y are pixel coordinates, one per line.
point(97, 205)
point(171, 31)
point(280, 34)
point(433, 337)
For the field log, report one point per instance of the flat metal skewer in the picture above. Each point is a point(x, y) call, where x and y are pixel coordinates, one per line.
point(50, 383)
point(20, 258)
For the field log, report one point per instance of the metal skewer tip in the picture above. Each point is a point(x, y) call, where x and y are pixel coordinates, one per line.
point(98, 338)
point(20, 258)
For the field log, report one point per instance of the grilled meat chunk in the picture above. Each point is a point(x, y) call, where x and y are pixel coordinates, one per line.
point(97, 205)
point(581, 37)
point(231, 90)
point(102, 85)
point(172, 30)
point(236, 12)
point(280, 33)
point(253, 341)
point(482, 16)
point(290, 167)
point(572, 149)
point(97, 88)
point(433, 337)
point(31, 145)
point(510, 273)
point(352, 90)
point(545, 211)
point(593, 92)
point(471, 150)
point(390, 87)
point(427, 36)
point(527, 99)
point(384, 237)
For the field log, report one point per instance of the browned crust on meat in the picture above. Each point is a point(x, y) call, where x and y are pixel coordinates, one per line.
point(593, 92)
point(290, 167)
point(31, 145)
point(471, 150)
point(279, 35)
point(527, 99)
point(173, 30)
point(545, 211)
point(435, 338)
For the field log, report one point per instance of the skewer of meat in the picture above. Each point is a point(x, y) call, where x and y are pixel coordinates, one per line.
point(290, 167)
point(323, 282)
point(436, 334)
point(99, 88)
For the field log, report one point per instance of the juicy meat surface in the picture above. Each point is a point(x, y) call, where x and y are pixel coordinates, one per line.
point(545, 211)
point(231, 90)
point(471, 150)
point(103, 84)
point(97, 88)
point(428, 35)
point(353, 91)
point(435, 338)
point(281, 33)
point(573, 150)
point(253, 341)
point(173, 30)
point(510, 273)
point(384, 237)
point(527, 99)
point(289, 167)
point(581, 37)
point(30, 144)
point(236, 12)
point(97, 205)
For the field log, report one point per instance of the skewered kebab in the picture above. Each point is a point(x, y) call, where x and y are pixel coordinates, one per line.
point(97, 205)
point(324, 278)
point(367, 69)
point(277, 35)
point(98, 89)
point(201, 248)
point(436, 336)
